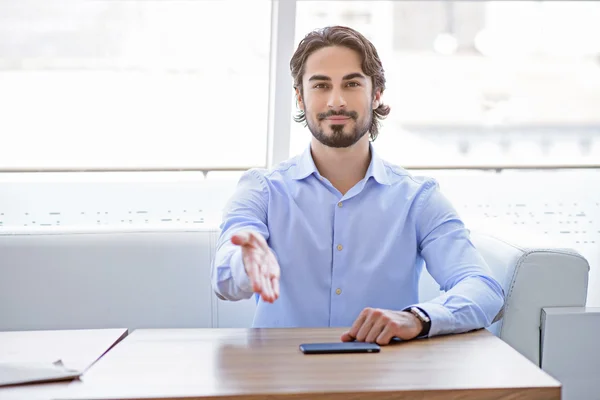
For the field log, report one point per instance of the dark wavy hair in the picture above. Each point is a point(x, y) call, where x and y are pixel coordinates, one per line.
point(346, 37)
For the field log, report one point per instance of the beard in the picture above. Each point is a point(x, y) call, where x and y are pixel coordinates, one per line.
point(338, 138)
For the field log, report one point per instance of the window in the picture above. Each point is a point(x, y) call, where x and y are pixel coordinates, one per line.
point(478, 83)
point(134, 84)
point(147, 84)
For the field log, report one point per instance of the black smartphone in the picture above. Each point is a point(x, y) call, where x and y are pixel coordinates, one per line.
point(339, 347)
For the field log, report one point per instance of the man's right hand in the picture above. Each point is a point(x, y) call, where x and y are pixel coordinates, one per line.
point(260, 264)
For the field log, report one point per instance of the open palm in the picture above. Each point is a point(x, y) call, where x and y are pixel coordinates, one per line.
point(260, 264)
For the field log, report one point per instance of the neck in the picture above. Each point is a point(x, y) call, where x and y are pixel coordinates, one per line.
point(343, 167)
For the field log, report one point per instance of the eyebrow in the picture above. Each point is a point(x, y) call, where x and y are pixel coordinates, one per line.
point(353, 75)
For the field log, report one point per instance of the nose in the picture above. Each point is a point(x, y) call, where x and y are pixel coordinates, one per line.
point(336, 100)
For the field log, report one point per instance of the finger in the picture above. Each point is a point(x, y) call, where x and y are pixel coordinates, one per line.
point(385, 337)
point(250, 239)
point(274, 269)
point(358, 323)
point(346, 337)
point(270, 271)
point(375, 331)
point(365, 328)
point(274, 273)
point(252, 271)
point(275, 286)
point(267, 289)
point(256, 279)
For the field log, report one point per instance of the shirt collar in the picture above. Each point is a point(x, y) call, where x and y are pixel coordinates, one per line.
point(377, 168)
point(306, 166)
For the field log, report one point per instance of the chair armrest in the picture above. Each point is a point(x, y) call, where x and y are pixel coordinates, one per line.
point(570, 349)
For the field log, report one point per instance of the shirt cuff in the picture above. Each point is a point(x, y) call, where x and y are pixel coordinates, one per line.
point(442, 320)
point(238, 272)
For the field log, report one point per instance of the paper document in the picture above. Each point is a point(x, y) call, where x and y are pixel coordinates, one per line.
point(17, 373)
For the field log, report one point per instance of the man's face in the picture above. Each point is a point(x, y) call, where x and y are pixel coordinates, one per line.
point(337, 97)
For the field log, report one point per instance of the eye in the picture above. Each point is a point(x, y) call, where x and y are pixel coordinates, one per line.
point(320, 86)
point(353, 84)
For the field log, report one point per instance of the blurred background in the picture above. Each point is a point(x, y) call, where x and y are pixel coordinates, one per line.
point(147, 83)
point(499, 100)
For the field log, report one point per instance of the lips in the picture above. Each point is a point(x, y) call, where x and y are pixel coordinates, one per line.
point(338, 118)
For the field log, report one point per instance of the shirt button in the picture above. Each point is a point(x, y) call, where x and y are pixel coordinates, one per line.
point(340, 247)
point(340, 204)
point(338, 291)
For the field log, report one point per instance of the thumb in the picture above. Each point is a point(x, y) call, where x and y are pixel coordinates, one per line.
point(241, 239)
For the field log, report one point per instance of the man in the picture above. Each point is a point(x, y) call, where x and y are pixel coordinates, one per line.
point(337, 236)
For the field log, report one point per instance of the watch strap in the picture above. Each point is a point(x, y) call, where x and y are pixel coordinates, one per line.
point(423, 317)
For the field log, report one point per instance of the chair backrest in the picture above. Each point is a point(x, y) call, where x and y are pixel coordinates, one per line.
point(87, 280)
point(532, 278)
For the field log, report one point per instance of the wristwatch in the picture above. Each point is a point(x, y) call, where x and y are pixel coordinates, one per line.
point(423, 317)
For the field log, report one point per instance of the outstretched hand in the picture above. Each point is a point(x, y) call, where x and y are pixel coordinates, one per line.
point(260, 264)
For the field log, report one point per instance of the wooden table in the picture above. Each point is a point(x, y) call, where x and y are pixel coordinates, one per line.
point(78, 349)
point(267, 364)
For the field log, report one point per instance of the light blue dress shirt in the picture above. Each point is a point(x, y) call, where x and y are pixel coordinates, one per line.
point(341, 253)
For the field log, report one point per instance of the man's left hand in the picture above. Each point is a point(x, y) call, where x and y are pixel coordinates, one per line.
point(379, 326)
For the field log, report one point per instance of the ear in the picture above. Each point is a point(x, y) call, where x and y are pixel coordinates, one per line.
point(299, 100)
point(376, 99)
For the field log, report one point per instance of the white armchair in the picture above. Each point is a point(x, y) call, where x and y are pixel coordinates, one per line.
point(545, 318)
point(532, 279)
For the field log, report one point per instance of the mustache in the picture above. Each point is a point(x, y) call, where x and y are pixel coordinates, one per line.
point(331, 113)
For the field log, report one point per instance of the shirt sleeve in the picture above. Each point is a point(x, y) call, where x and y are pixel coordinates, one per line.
point(472, 298)
point(246, 210)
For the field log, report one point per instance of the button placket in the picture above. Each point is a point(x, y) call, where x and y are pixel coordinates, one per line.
point(340, 210)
